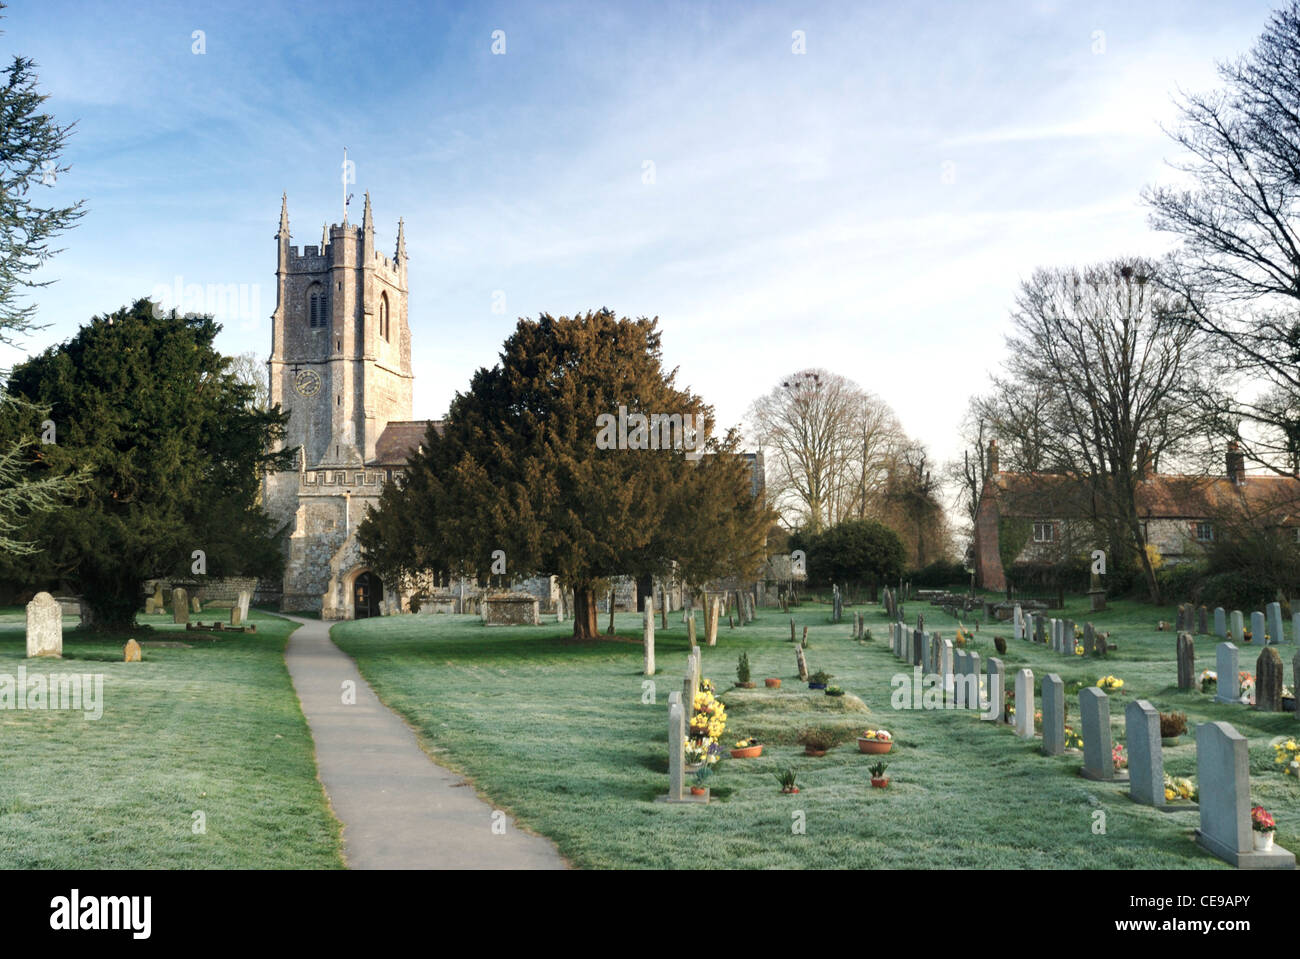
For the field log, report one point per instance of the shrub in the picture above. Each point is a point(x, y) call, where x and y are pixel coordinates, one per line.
point(941, 572)
point(742, 668)
point(1172, 724)
point(817, 739)
point(1000, 644)
point(1181, 583)
point(821, 676)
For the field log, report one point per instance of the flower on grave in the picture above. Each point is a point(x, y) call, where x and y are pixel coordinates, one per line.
point(706, 685)
point(1117, 756)
point(1260, 820)
point(702, 751)
point(1288, 754)
point(1078, 632)
point(1072, 739)
point(1247, 635)
point(1078, 649)
point(1208, 678)
point(1247, 688)
point(1179, 788)
point(747, 743)
point(1110, 682)
point(878, 735)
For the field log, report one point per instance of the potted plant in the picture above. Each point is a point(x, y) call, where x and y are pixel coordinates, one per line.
point(834, 691)
point(749, 748)
point(875, 741)
point(699, 787)
point(819, 679)
point(742, 672)
point(786, 779)
point(772, 683)
point(877, 770)
point(816, 742)
point(1172, 725)
point(1209, 681)
point(1264, 827)
point(698, 753)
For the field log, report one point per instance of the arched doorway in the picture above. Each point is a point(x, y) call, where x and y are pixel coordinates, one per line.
point(367, 591)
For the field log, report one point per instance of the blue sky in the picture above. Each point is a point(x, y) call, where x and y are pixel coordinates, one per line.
point(869, 206)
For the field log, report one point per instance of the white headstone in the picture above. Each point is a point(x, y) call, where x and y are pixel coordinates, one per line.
point(1025, 704)
point(44, 626)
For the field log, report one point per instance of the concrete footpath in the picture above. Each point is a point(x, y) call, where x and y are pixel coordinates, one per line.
point(399, 809)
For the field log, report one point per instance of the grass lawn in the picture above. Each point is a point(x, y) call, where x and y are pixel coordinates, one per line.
point(215, 729)
point(556, 732)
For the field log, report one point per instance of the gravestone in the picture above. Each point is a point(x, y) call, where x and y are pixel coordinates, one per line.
point(997, 690)
point(946, 665)
point(1202, 621)
point(677, 792)
point(159, 604)
point(44, 626)
point(1228, 686)
point(180, 606)
point(1018, 621)
point(918, 644)
point(1025, 704)
point(711, 622)
point(1257, 628)
point(1094, 717)
point(195, 605)
point(1236, 627)
point(244, 599)
point(1178, 620)
point(1054, 634)
point(1089, 639)
point(973, 668)
point(1220, 623)
point(931, 648)
point(1273, 611)
point(1223, 781)
point(695, 668)
point(801, 662)
point(1186, 661)
point(1040, 629)
point(1068, 638)
point(690, 627)
point(648, 635)
point(131, 651)
point(1268, 681)
point(1146, 762)
point(1053, 715)
point(235, 619)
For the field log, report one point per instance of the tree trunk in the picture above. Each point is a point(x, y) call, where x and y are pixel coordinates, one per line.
point(584, 612)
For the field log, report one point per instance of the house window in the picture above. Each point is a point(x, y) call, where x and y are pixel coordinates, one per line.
point(1204, 533)
point(1044, 532)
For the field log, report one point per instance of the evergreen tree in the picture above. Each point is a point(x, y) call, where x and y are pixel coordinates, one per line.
point(173, 450)
point(522, 465)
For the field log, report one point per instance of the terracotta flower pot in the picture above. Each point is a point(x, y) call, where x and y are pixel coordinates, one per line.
point(699, 790)
point(874, 746)
point(789, 792)
point(773, 683)
point(748, 752)
point(813, 752)
point(880, 783)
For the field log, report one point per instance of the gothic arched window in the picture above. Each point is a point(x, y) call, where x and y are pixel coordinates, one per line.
point(317, 309)
point(383, 316)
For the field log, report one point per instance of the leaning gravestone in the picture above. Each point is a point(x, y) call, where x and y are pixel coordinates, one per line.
point(1053, 715)
point(180, 606)
point(1025, 704)
point(244, 599)
point(1268, 681)
point(1098, 759)
point(801, 662)
point(1186, 661)
point(1228, 685)
point(1220, 623)
point(1223, 778)
point(997, 690)
point(1274, 613)
point(1145, 759)
point(44, 626)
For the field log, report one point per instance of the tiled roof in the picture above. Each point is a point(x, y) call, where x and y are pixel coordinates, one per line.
point(400, 439)
point(1162, 496)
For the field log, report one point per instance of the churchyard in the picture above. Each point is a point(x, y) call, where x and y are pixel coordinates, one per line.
point(200, 757)
point(569, 738)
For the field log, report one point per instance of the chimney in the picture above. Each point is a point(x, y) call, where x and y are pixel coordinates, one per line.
point(1236, 463)
point(993, 457)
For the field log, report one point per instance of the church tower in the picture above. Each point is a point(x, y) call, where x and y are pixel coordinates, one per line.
point(340, 366)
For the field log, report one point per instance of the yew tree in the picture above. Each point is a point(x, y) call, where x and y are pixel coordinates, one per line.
point(523, 464)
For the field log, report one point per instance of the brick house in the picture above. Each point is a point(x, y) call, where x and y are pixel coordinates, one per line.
point(1044, 517)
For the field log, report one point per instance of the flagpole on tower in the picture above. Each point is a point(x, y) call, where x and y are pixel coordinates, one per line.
point(345, 185)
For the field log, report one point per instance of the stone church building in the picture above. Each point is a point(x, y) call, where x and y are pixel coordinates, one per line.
point(340, 365)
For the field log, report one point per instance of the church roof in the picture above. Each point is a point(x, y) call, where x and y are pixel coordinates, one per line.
point(400, 439)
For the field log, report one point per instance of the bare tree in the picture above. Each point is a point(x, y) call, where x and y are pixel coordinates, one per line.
point(827, 443)
point(250, 369)
point(1119, 365)
point(1239, 266)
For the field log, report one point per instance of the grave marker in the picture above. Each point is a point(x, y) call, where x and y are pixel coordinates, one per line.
point(1228, 688)
point(648, 636)
point(1236, 627)
point(1146, 762)
point(997, 690)
point(180, 606)
point(1257, 628)
point(1025, 704)
point(131, 652)
point(1220, 623)
point(1089, 639)
point(1186, 661)
point(1053, 715)
point(1268, 681)
point(44, 626)
point(1094, 715)
point(1223, 781)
